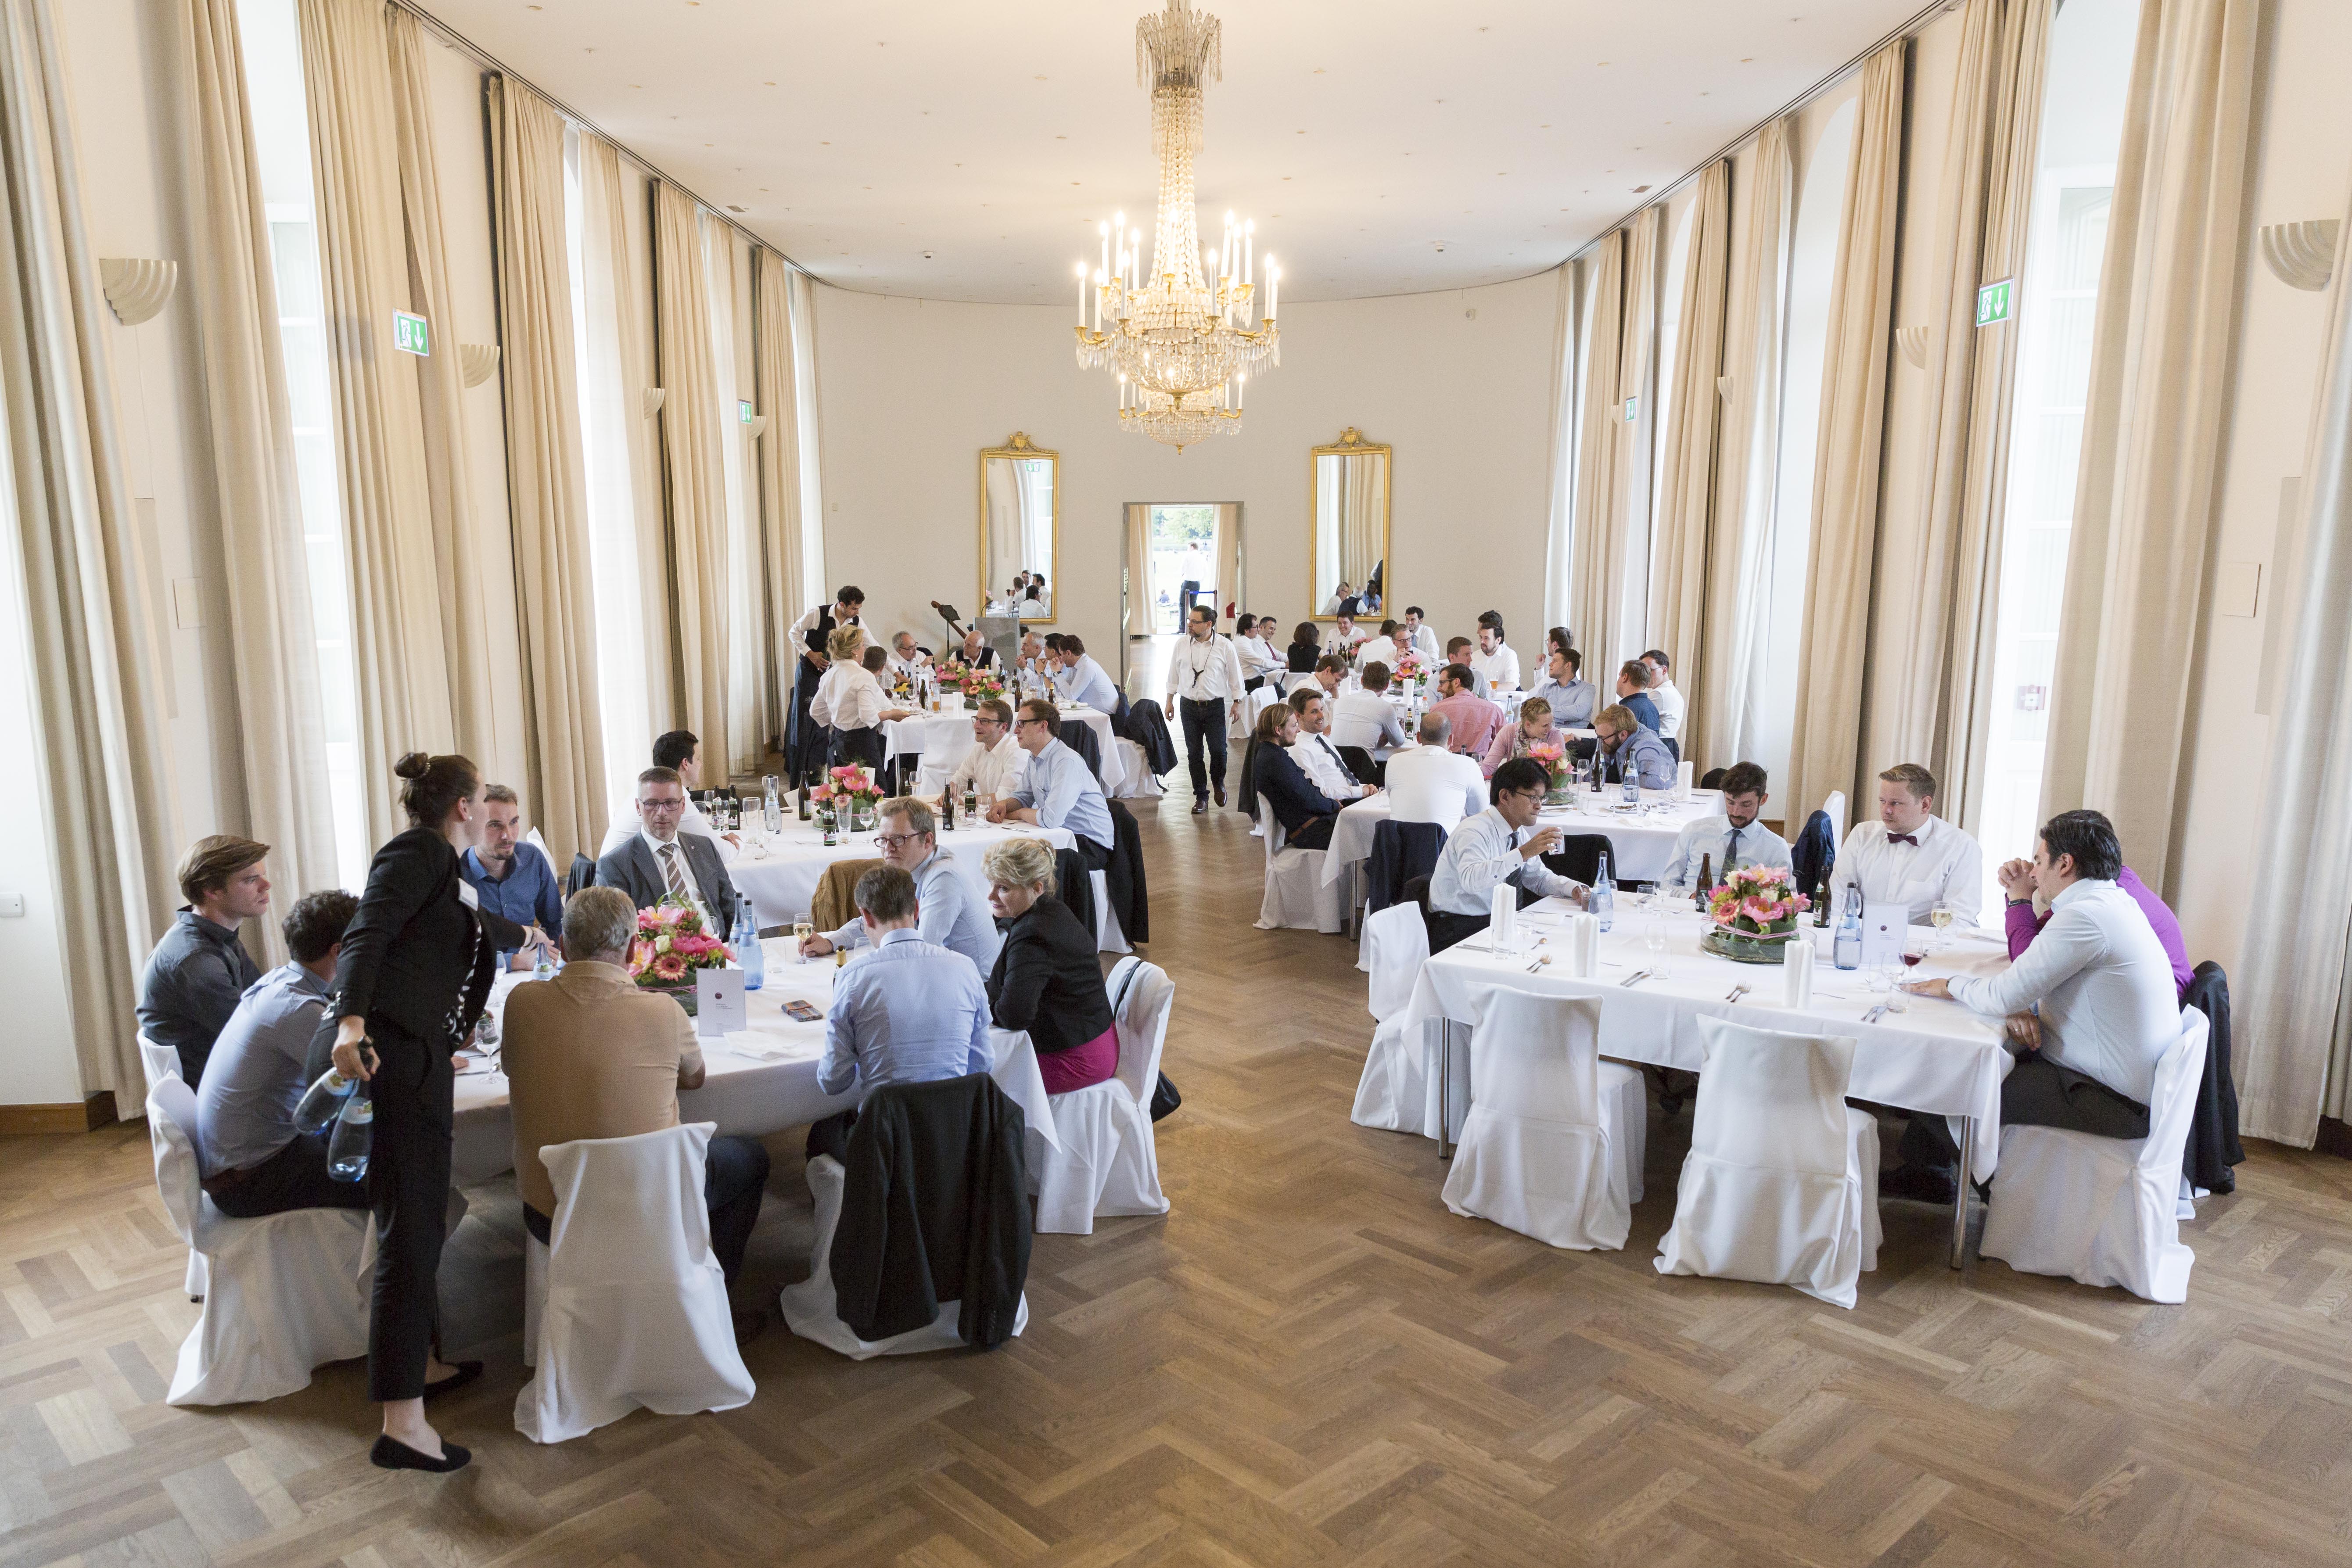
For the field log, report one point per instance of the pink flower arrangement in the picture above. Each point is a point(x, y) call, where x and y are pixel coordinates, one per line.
point(1757, 900)
point(1554, 758)
point(1409, 667)
point(671, 944)
point(852, 781)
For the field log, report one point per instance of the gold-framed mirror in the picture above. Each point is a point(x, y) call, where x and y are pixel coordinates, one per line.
point(1348, 483)
point(1020, 529)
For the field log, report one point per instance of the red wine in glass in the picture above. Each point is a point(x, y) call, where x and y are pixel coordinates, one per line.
point(1912, 958)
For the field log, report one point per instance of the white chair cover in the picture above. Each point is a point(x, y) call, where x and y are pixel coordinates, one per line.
point(1106, 1162)
point(161, 1061)
point(1781, 1181)
point(1297, 898)
point(1137, 781)
point(1258, 701)
point(1108, 935)
point(2104, 1210)
point(635, 1310)
point(811, 1307)
point(1552, 1146)
point(285, 1293)
point(1394, 1093)
point(1835, 807)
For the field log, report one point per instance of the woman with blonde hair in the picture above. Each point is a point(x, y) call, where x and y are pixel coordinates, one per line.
point(1535, 728)
point(1046, 979)
point(849, 701)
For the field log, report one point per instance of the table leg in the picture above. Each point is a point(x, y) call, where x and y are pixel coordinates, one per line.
point(1962, 1188)
point(1445, 1089)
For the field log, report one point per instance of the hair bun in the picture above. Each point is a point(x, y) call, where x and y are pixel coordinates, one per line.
point(414, 765)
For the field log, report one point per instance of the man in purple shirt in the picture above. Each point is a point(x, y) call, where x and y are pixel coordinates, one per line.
point(2024, 925)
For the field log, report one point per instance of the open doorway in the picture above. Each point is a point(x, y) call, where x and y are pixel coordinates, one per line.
point(1177, 555)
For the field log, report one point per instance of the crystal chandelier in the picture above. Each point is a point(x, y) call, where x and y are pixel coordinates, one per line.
point(1184, 347)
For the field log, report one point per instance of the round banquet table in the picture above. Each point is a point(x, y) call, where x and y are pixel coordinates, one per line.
point(1639, 843)
point(759, 1081)
point(778, 872)
point(942, 739)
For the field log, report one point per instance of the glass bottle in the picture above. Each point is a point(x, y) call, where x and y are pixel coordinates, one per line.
point(1602, 902)
point(322, 1102)
point(347, 1149)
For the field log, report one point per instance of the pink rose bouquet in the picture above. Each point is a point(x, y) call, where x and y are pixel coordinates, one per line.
point(1757, 900)
point(671, 944)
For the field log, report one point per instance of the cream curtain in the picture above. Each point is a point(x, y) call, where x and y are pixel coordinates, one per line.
point(441, 389)
point(1600, 477)
point(695, 485)
point(811, 444)
point(1560, 456)
point(779, 458)
point(1682, 616)
point(280, 724)
point(1934, 616)
point(547, 476)
point(1727, 695)
point(1637, 439)
point(400, 661)
point(1228, 552)
point(2144, 503)
point(66, 511)
point(1825, 753)
point(1141, 600)
point(1363, 516)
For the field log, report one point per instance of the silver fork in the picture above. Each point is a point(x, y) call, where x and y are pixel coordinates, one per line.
point(1735, 992)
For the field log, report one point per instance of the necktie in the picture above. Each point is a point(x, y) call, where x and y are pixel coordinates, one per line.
point(1338, 761)
point(1903, 838)
point(675, 874)
point(1731, 852)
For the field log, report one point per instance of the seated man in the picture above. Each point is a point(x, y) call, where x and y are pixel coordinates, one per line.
point(906, 659)
point(589, 1055)
point(1910, 856)
point(1306, 812)
point(1418, 635)
point(1470, 720)
point(681, 752)
point(511, 877)
point(1464, 652)
point(1387, 648)
point(1494, 848)
point(1573, 701)
point(1346, 637)
point(660, 862)
point(2091, 1005)
point(1315, 753)
point(1634, 694)
point(2021, 924)
point(1083, 681)
point(1059, 790)
point(996, 762)
point(1495, 659)
point(953, 916)
point(1663, 694)
point(1367, 718)
point(1732, 838)
point(908, 1012)
point(255, 1163)
point(197, 973)
point(1432, 782)
point(1625, 743)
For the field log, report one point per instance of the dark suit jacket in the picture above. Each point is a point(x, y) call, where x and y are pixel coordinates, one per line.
point(1046, 979)
point(1641, 707)
point(633, 868)
point(415, 950)
point(1283, 784)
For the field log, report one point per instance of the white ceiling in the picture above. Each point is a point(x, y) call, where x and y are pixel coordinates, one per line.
point(1384, 148)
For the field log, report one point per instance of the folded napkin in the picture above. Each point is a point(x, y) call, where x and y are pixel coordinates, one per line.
point(1583, 945)
point(1683, 773)
point(1502, 924)
point(1797, 957)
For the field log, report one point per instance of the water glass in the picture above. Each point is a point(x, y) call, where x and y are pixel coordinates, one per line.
point(1653, 937)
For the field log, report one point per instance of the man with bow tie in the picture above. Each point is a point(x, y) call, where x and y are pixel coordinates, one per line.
point(1910, 856)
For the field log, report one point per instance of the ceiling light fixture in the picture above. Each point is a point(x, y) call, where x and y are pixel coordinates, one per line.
point(1183, 347)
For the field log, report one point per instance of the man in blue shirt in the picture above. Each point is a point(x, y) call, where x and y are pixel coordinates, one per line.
point(254, 1161)
point(1060, 790)
point(1083, 681)
point(953, 916)
point(1627, 744)
point(906, 1011)
point(512, 878)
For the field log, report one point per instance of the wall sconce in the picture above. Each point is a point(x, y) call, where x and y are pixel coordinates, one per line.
point(654, 395)
point(137, 289)
point(2301, 255)
point(477, 362)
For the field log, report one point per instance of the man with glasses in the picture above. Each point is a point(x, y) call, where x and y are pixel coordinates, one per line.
point(995, 764)
point(659, 861)
point(1494, 848)
point(1060, 790)
point(949, 914)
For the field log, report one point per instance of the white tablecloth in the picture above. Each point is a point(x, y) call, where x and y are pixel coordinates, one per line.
point(759, 1082)
point(1640, 845)
point(779, 872)
point(1934, 1056)
point(942, 739)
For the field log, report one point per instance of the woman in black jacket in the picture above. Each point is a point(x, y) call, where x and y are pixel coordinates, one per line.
point(1046, 979)
point(415, 970)
point(1304, 650)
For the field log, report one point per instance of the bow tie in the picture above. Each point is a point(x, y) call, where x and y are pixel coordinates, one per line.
point(1912, 840)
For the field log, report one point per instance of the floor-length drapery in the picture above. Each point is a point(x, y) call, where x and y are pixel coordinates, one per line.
point(1142, 603)
point(403, 673)
point(740, 571)
point(1363, 516)
point(1599, 468)
point(1683, 618)
point(280, 795)
point(1729, 694)
point(778, 461)
point(694, 487)
point(65, 505)
point(1824, 753)
point(1637, 439)
point(1559, 455)
point(2120, 718)
point(547, 483)
point(1227, 552)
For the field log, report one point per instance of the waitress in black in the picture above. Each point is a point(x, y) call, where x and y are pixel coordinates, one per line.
point(415, 970)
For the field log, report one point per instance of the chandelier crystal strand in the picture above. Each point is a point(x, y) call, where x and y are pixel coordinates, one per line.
point(1180, 340)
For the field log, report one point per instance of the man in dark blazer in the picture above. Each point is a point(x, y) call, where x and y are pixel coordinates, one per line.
point(659, 861)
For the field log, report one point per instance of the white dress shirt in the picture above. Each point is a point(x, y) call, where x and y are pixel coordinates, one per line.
point(1259, 658)
point(1345, 645)
point(702, 904)
point(906, 668)
point(1378, 650)
point(1431, 784)
point(1423, 639)
point(1670, 705)
point(847, 697)
point(1501, 668)
point(1366, 719)
point(995, 770)
point(1946, 865)
point(1480, 855)
point(1320, 761)
point(2100, 980)
point(1208, 672)
point(1711, 837)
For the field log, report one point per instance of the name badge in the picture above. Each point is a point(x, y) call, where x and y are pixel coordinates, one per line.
point(467, 895)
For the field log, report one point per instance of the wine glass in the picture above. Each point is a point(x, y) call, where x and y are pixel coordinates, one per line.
point(803, 929)
point(1653, 937)
point(1940, 917)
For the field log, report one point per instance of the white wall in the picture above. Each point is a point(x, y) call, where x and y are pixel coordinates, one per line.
point(1457, 383)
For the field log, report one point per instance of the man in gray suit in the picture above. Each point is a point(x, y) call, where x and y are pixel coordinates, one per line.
point(657, 861)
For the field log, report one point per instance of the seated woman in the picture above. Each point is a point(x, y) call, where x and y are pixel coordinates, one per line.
point(1535, 728)
point(1306, 814)
point(1304, 649)
point(1046, 979)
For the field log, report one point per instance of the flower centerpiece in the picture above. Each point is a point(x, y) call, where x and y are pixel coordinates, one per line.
point(1755, 910)
point(1410, 668)
point(669, 946)
point(1560, 773)
point(850, 788)
point(980, 686)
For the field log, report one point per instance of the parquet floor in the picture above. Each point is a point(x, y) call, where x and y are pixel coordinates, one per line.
point(1308, 1361)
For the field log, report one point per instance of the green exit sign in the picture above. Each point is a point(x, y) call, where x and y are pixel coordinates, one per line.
point(1993, 302)
point(408, 334)
point(742, 413)
point(1632, 407)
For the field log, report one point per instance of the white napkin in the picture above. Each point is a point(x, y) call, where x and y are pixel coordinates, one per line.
point(1797, 972)
point(1683, 774)
point(1583, 944)
point(1502, 924)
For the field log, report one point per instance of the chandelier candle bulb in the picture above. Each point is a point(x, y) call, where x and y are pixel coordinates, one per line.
point(1082, 296)
point(1249, 249)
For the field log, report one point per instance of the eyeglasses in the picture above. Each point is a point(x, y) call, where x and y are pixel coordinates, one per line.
point(668, 807)
point(1531, 796)
point(892, 840)
point(1024, 721)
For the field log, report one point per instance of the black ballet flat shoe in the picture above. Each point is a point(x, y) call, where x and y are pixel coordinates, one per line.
point(391, 1453)
point(1917, 1185)
point(468, 1371)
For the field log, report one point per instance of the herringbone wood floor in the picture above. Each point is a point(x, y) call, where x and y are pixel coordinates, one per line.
point(1308, 1361)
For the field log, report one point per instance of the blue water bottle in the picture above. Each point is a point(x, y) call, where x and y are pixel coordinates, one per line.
point(1602, 902)
point(347, 1151)
point(748, 951)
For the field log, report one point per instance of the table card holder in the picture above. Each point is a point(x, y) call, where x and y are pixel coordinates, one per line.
point(1884, 929)
point(1684, 772)
point(719, 1007)
point(1583, 944)
point(1797, 957)
point(1503, 923)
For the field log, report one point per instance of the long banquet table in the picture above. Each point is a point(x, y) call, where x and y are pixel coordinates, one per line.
point(759, 1081)
point(1641, 843)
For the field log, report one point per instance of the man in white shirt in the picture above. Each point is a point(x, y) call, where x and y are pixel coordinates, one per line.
point(1574, 699)
point(680, 751)
point(1909, 855)
point(816, 629)
point(1346, 635)
point(1494, 848)
point(1387, 647)
point(1345, 591)
point(1732, 838)
point(1082, 679)
point(1315, 753)
point(1495, 658)
point(1367, 718)
point(1431, 782)
point(2091, 1005)
point(1420, 635)
point(1460, 651)
point(1261, 656)
point(1664, 695)
point(905, 658)
point(995, 764)
point(1205, 675)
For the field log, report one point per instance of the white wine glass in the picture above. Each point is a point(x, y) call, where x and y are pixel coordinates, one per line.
point(1940, 917)
point(803, 929)
point(1653, 937)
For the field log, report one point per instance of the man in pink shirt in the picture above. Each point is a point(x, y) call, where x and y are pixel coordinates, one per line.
point(1474, 719)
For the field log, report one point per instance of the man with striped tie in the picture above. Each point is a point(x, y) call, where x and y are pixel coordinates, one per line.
point(657, 861)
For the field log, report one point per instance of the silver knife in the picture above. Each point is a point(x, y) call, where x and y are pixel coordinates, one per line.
point(1737, 993)
point(1634, 979)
